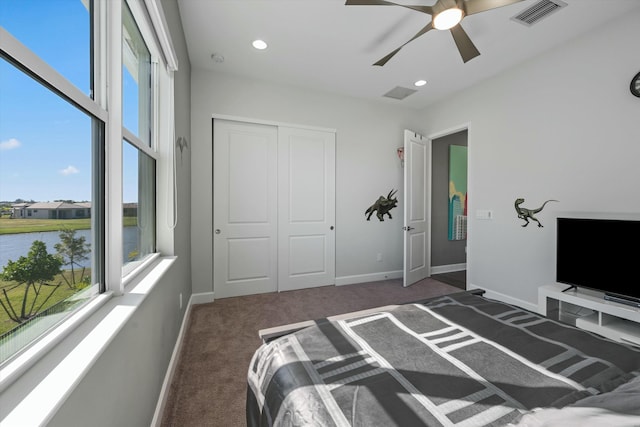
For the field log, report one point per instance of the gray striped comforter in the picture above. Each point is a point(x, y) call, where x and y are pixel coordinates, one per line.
point(458, 360)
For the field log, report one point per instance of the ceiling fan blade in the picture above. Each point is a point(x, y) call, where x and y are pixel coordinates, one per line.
point(477, 6)
point(384, 60)
point(423, 9)
point(466, 47)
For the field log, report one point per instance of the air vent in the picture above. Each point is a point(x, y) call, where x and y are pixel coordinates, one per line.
point(399, 92)
point(540, 10)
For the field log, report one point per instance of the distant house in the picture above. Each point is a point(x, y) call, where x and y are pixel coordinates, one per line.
point(129, 209)
point(51, 210)
point(62, 210)
point(18, 210)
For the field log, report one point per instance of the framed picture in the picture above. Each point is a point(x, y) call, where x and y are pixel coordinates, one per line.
point(457, 192)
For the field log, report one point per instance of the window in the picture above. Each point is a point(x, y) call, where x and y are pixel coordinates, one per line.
point(136, 80)
point(69, 52)
point(46, 155)
point(138, 209)
point(138, 160)
point(57, 165)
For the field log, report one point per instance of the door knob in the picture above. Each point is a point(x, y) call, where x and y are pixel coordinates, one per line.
point(217, 231)
point(408, 228)
point(331, 228)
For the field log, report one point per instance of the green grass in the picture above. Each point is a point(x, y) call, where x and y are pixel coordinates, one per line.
point(15, 225)
point(17, 294)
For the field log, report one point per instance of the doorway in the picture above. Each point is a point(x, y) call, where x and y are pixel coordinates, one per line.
point(449, 261)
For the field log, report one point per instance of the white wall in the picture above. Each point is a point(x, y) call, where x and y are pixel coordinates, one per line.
point(366, 164)
point(562, 126)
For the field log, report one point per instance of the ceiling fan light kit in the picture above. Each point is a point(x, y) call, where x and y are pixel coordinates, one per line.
point(448, 18)
point(445, 15)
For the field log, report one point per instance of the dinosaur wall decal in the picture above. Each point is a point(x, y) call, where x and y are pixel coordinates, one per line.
point(382, 206)
point(527, 214)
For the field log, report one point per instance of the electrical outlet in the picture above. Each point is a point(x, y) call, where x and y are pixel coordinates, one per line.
point(180, 299)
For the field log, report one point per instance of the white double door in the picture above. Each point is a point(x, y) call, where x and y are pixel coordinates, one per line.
point(273, 208)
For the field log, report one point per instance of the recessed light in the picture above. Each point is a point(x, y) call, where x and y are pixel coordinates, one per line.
point(420, 83)
point(259, 44)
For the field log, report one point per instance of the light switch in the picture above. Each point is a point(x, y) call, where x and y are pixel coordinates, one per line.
point(484, 214)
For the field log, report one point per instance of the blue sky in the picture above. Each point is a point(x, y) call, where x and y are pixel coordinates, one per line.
point(45, 143)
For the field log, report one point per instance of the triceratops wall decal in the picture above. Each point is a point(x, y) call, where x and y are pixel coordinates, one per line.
point(382, 206)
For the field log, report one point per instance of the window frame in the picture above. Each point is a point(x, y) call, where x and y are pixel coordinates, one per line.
point(151, 148)
point(104, 105)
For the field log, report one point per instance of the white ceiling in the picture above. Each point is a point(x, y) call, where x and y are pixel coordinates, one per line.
point(327, 46)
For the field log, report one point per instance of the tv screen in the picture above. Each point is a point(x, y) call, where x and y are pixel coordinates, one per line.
point(599, 254)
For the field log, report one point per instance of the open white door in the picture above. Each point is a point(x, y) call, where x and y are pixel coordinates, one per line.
point(417, 179)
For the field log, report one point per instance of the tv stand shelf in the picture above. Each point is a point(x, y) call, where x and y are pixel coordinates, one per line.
point(588, 310)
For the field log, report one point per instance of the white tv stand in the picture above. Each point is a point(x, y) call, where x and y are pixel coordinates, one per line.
point(589, 310)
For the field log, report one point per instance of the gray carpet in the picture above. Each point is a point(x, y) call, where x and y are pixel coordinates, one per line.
point(453, 278)
point(209, 385)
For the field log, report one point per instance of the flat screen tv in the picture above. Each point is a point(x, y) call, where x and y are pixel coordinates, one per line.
point(600, 254)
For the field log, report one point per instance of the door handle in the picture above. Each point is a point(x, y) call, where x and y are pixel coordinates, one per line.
point(217, 231)
point(408, 228)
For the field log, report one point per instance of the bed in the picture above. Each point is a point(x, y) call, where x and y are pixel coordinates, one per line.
point(455, 360)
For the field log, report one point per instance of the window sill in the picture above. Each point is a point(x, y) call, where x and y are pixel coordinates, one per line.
point(24, 360)
point(36, 384)
point(132, 270)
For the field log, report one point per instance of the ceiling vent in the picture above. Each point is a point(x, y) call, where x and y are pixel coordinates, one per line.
point(539, 10)
point(399, 92)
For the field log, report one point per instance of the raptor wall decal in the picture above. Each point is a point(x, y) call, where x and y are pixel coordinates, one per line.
point(527, 214)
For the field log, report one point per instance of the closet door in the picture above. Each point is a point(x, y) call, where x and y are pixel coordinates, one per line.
point(245, 208)
point(306, 208)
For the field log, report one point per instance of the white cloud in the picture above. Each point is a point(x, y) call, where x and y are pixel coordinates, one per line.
point(69, 170)
point(10, 144)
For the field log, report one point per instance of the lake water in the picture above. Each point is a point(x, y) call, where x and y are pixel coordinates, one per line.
point(13, 246)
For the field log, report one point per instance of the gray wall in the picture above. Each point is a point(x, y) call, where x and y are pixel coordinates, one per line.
point(123, 385)
point(444, 251)
point(367, 136)
point(560, 126)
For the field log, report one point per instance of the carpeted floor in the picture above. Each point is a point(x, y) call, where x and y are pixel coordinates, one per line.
point(455, 278)
point(209, 385)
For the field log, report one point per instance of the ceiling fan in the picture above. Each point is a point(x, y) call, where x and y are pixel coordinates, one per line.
point(446, 15)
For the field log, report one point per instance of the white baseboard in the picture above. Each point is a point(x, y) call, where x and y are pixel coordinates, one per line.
point(373, 277)
point(505, 298)
point(173, 363)
point(439, 269)
point(201, 298)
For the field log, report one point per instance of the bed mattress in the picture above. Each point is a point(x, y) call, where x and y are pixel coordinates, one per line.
point(456, 360)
